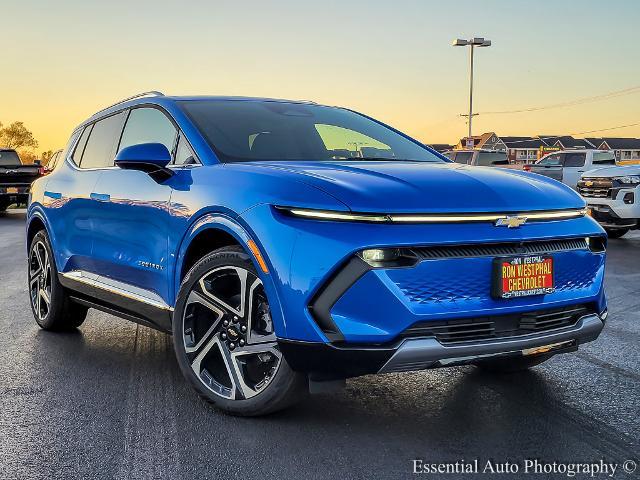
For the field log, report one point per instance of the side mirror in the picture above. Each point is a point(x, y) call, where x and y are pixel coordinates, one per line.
point(151, 158)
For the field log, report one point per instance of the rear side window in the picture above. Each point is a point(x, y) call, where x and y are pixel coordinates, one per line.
point(79, 150)
point(53, 161)
point(148, 125)
point(99, 151)
point(604, 158)
point(574, 159)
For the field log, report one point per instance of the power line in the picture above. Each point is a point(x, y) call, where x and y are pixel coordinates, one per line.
point(606, 129)
point(571, 103)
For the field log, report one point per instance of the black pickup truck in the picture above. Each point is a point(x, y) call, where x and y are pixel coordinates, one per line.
point(15, 178)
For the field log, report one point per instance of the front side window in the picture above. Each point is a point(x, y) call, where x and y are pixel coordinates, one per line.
point(574, 159)
point(240, 131)
point(148, 125)
point(464, 157)
point(487, 159)
point(551, 160)
point(103, 140)
point(184, 154)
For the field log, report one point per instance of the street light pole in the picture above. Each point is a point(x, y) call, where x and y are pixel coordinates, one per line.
point(470, 88)
point(473, 42)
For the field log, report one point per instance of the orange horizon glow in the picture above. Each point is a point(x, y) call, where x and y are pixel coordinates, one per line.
point(393, 62)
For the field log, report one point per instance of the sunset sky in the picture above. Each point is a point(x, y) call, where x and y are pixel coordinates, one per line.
point(392, 60)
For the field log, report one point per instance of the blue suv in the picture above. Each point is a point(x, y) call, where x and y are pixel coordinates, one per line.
point(288, 245)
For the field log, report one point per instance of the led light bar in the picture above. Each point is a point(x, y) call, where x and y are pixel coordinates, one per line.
point(431, 218)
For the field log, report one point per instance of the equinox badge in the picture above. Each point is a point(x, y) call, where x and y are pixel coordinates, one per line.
point(510, 221)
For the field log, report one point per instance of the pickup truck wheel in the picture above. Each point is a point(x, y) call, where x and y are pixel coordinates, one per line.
point(616, 232)
point(225, 341)
point(50, 302)
point(511, 365)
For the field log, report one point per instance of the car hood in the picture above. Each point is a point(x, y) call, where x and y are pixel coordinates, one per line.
point(395, 186)
point(613, 171)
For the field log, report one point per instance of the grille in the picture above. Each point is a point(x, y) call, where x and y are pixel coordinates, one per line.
point(486, 328)
point(595, 187)
point(492, 250)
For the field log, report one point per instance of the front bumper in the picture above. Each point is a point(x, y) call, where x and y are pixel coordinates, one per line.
point(327, 361)
point(615, 213)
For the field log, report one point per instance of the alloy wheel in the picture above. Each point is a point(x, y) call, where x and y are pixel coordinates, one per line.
point(40, 280)
point(228, 333)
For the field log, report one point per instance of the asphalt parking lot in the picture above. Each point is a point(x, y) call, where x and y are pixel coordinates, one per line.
point(108, 401)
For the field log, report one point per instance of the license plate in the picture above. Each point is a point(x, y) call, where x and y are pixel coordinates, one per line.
point(515, 277)
point(12, 190)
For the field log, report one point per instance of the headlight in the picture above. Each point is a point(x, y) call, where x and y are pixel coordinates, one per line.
point(629, 179)
point(397, 218)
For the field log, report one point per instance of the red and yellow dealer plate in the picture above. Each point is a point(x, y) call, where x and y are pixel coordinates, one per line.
point(515, 277)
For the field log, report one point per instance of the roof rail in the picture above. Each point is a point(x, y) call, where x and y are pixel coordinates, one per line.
point(151, 93)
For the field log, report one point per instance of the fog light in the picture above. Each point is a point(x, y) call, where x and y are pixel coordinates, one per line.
point(378, 255)
point(629, 198)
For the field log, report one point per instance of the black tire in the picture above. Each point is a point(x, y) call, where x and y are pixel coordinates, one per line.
point(210, 335)
point(616, 232)
point(60, 312)
point(511, 364)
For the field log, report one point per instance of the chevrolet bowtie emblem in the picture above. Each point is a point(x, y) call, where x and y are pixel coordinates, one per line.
point(510, 221)
point(588, 183)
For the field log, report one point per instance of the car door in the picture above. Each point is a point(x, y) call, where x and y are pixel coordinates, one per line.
point(549, 166)
point(573, 167)
point(68, 203)
point(131, 225)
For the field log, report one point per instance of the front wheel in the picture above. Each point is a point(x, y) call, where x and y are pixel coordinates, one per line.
point(616, 232)
point(224, 338)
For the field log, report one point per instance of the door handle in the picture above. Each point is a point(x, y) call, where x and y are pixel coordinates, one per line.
point(100, 197)
point(53, 195)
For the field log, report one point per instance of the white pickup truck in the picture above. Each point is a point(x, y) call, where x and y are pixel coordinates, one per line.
point(566, 166)
point(481, 158)
point(613, 197)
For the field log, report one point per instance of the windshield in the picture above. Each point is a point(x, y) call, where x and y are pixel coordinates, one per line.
point(239, 130)
point(486, 159)
point(604, 158)
point(9, 158)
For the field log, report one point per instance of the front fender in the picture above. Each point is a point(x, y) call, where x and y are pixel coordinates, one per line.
point(243, 234)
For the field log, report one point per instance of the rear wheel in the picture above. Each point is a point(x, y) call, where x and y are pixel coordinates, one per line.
point(511, 364)
point(224, 338)
point(616, 232)
point(50, 302)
